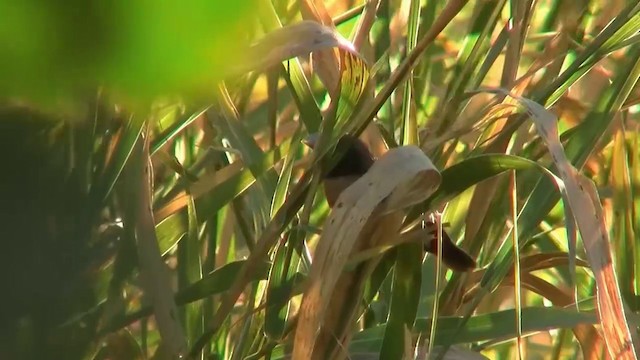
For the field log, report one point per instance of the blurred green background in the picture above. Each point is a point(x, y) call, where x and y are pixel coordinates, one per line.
point(53, 51)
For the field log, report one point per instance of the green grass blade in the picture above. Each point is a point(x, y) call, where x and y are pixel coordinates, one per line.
point(190, 271)
point(130, 134)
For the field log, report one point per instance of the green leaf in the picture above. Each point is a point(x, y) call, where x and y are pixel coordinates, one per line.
point(216, 282)
point(407, 278)
point(130, 134)
point(496, 325)
point(471, 171)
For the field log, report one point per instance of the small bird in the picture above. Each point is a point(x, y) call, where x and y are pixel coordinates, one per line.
point(355, 162)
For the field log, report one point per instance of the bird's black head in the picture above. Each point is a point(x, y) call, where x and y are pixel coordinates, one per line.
point(355, 161)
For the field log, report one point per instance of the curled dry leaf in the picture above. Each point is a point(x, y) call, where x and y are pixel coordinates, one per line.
point(582, 197)
point(291, 41)
point(364, 214)
point(336, 59)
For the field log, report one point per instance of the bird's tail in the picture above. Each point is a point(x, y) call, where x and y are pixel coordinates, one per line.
point(454, 257)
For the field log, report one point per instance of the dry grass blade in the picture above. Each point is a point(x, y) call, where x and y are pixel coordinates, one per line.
point(154, 274)
point(582, 197)
point(415, 178)
point(621, 341)
point(533, 263)
point(204, 184)
point(364, 26)
point(316, 11)
point(325, 62)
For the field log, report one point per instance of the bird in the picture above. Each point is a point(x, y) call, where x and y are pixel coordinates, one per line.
point(354, 163)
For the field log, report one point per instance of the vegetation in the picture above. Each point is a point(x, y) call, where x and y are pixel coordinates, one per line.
point(157, 199)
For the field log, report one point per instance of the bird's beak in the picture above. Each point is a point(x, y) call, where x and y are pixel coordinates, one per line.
point(311, 140)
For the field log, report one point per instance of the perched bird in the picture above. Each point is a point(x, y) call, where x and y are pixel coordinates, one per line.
point(355, 162)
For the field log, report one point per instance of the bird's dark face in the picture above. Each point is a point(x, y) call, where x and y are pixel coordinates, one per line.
point(356, 161)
